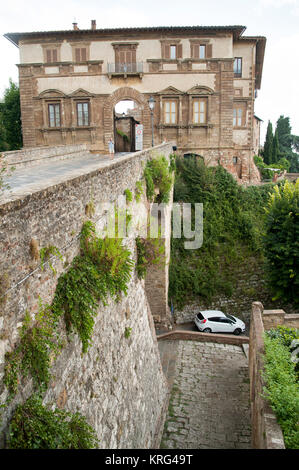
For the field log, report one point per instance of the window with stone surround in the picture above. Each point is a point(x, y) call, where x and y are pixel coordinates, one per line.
point(171, 49)
point(80, 52)
point(238, 67)
point(83, 113)
point(200, 110)
point(54, 114)
point(239, 114)
point(200, 49)
point(51, 53)
point(170, 111)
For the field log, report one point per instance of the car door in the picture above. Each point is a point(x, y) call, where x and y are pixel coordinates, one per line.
point(225, 325)
point(214, 324)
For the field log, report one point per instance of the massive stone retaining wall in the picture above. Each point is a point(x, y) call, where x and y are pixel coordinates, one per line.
point(118, 384)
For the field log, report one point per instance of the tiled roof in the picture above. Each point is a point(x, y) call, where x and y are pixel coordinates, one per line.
point(237, 30)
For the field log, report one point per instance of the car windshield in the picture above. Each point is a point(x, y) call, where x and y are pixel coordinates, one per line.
point(230, 317)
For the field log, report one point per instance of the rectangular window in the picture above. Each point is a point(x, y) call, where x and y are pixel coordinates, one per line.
point(239, 115)
point(83, 114)
point(202, 51)
point(51, 55)
point(238, 67)
point(80, 54)
point(54, 115)
point(235, 160)
point(170, 112)
point(200, 111)
point(173, 52)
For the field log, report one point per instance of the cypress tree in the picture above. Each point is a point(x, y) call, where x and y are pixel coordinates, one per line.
point(275, 152)
point(268, 146)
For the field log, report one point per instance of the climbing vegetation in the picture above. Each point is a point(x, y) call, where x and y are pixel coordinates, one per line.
point(129, 195)
point(150, 251)
point(38, 344)
point(45, 256)
point(138, 190)
point(158, 178)
point(35, 426)
point(233, 225)
point(103, 268)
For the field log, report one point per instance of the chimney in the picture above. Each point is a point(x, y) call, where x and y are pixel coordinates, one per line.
point(93, 24)
point(75, 26)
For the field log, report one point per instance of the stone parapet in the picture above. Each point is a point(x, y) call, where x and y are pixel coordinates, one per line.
point(266, 433)
point(36, 155)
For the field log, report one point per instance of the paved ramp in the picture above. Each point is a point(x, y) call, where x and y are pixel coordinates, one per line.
point(209, 404)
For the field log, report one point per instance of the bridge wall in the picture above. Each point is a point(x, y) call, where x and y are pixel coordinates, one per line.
point(118, 384)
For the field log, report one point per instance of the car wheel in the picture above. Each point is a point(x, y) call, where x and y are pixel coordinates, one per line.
point(237, 331)
point(207, 330)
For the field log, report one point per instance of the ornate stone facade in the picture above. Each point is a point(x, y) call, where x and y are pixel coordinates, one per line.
point(203, 80)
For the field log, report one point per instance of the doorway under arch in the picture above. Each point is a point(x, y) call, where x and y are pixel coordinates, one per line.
point(140, 100)
point(127, 114)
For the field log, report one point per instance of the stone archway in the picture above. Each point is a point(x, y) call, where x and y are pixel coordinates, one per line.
point(126, 93)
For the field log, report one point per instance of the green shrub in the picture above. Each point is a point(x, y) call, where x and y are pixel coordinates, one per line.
point(282, 389)
point(284, 334)
point(35, 426)
point(281, 247)
point(233, 224)
point(158, 176)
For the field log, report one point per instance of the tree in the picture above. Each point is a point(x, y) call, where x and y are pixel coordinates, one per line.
point(11, 117)
point(3, 142)
point(268, 146)
point(287, 143)
point(281, 245)
point(275, 148)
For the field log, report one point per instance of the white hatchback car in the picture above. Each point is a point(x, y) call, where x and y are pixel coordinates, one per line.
point(215, 321)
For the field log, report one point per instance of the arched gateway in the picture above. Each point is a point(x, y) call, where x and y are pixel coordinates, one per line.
point(127, 93)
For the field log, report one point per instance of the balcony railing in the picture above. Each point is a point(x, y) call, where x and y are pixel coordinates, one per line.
point(125, 68)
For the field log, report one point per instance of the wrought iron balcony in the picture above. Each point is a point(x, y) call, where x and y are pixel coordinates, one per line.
point(125, 69)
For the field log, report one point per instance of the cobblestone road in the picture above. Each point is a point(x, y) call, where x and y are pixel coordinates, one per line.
point(209, 403)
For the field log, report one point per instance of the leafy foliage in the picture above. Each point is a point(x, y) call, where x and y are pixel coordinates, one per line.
point(281, 241)
point(10, 119)
point(281, 146)
point(138, 190)
point(282, 389)
point(45, 254)
point(284, 334)
point(158, 176)
point(150, 251)
point(103, 267)
point(233, 224)
point(35, 426)
point(32, 356)
point(128, 194)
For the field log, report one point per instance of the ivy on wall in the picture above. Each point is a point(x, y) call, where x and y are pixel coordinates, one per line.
point(103, 268)
point(35, 426)
point(158, 178)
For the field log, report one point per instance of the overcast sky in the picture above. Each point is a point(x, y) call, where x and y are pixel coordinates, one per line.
point(278, 20)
